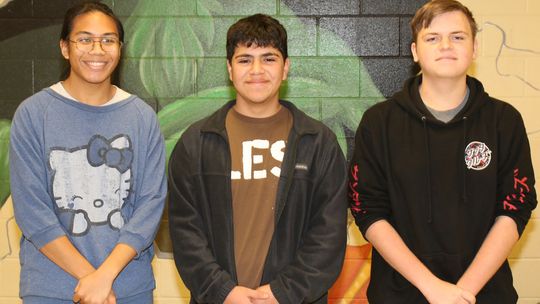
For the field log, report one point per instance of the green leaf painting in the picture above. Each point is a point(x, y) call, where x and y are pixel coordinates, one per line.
point(5, 126)
point(184, 67)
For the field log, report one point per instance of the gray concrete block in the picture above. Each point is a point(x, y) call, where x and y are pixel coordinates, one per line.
point(366, 36)
point(320, 7)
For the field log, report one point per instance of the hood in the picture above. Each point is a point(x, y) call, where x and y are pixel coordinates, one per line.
point(409, 99)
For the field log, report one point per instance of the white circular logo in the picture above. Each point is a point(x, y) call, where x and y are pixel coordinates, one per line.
point(477, 155)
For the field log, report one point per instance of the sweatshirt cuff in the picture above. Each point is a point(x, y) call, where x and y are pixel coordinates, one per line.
point(279, 292)
point(520, 223)
point(367, 221)
point(46, 236)
point(225, 290)
point(134, 241)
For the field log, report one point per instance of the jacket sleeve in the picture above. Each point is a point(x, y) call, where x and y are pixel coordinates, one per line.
point(32, 203)
point(319, 260)
point(140, 230)
point(203, 276)
point(516, 196)
point(368, 194)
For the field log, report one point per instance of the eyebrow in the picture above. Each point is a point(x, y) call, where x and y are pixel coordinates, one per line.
point(92, 34)
point(262, 55)
point(451, 33)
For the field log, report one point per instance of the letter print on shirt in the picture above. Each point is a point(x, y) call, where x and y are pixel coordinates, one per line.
point(91, 183)
point(250, 159)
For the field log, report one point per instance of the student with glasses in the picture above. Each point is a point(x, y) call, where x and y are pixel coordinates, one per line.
point(87, 164)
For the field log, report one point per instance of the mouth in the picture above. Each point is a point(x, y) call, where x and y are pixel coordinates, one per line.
point(257, 82)
point(96, 65)
point(446, 58)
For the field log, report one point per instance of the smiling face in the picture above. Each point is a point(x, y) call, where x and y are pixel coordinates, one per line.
point(257, 73)
point(94, 66)
point(446, 48)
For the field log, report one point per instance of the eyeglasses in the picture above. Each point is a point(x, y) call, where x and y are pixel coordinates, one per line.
point(107, 44)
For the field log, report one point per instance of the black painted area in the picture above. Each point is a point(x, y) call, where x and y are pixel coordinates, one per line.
point(388, 74)
point(321, 7)
point(367, 36)
point(48, 72)
point(17, 9)
point(17, 82)
point(8, 108)
point(405, 36)
point(52, 8)
point(384, 7)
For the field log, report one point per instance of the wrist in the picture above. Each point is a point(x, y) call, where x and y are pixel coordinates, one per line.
point(463, 285)
point(84, 271)
point(106, 273)
point(428, 285)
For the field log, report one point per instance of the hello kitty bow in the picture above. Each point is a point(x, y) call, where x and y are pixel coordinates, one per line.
point(101, 152)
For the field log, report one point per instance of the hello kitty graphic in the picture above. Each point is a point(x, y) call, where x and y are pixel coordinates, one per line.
point(92, 182)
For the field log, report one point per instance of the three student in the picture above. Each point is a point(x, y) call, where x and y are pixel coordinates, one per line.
point(440, 182)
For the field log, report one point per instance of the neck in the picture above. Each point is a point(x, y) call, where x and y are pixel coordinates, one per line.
point(255, 110)
point(445, 94)
point(89, 93)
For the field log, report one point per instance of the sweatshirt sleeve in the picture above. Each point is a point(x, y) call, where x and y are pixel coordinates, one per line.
point(368, 194)
point(516, 196)
point(319, 259)
point(207, 281)
point(32, 203)
point(140, 230)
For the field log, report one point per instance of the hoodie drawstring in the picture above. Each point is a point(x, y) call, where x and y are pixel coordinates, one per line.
point(463, 171)
point(428, 173)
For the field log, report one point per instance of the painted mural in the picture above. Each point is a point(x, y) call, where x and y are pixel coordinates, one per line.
point(174, 58)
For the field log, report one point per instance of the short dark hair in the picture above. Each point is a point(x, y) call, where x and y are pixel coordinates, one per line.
point(260, 30)
point(425, 15)
point(88, 7)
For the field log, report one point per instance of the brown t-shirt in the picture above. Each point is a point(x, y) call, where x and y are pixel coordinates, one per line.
point(257, 149)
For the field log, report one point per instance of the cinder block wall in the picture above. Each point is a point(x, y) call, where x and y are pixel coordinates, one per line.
point(508, 65)
point(357, 51)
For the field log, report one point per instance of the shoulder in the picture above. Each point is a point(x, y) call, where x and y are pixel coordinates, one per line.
point(505, 108)
point(34, 108)
point(143, 112)
point(380, 114)
point(503, 112)
point(142, 107)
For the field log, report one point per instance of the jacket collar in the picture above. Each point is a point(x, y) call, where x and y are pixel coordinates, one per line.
point(302, 124)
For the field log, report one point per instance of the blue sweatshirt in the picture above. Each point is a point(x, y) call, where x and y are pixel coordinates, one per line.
point(94, 174)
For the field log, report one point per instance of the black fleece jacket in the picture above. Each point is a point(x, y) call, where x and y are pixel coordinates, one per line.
point(440, 185)
point(307, 249)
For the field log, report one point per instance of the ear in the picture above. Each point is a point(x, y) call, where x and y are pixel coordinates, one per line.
point(413, 51)
point(286, 67)
point(55, 157)
point(229, 69)
point(475, 48)
point(64, 48)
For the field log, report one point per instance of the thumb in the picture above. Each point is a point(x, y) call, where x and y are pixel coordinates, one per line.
point(467, 296)
point(258, 294)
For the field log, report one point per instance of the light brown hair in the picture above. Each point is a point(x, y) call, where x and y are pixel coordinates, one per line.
point(425, 15)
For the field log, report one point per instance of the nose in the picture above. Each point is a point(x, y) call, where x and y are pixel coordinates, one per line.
point(256, 67)
point(446, 43)
point(97, 49)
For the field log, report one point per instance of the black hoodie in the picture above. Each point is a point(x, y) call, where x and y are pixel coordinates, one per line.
point(440, 185)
